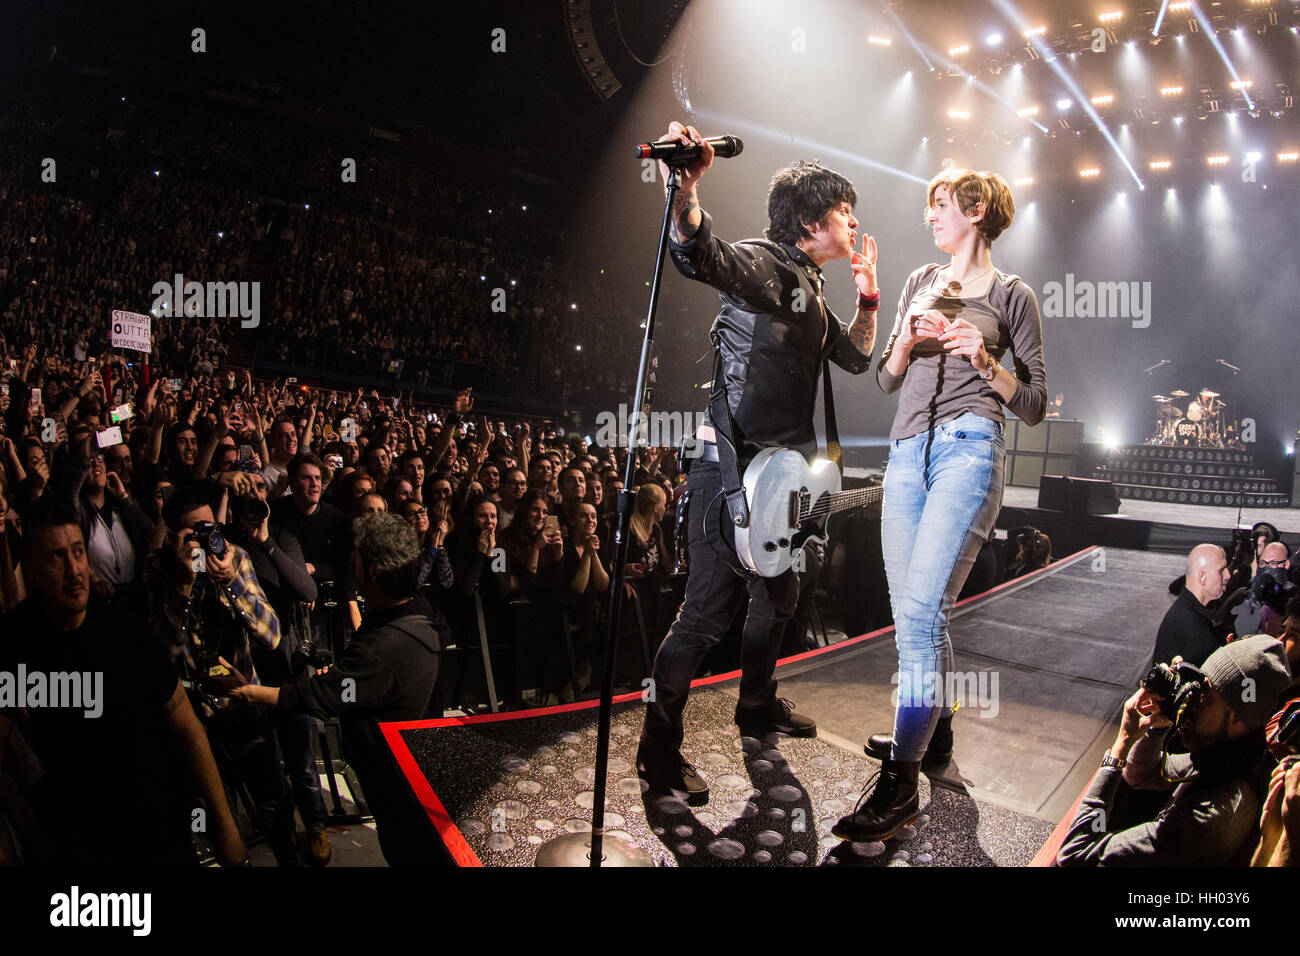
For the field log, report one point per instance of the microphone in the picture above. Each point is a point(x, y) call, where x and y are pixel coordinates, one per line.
point(674, 153)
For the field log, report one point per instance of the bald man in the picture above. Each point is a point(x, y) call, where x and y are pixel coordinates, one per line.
point(1187, 628)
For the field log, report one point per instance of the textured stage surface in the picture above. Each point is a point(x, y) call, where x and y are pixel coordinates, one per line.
point(511, 785)
point(1065, 647)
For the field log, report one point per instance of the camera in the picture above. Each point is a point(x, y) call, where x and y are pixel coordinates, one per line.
point(1175, 688)
point(1270, 586)
point(1288, 727)
point(208, 536)
point(251, 508)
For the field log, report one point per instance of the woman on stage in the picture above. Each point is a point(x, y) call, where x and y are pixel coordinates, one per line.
point(943, 484)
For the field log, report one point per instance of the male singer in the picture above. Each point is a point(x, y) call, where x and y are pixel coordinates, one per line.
point(773, 333)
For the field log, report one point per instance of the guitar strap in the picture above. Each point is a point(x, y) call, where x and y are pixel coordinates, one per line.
point(833, 450)
point(725, 428)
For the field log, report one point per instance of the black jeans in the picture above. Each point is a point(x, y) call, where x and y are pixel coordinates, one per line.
point(715, 589)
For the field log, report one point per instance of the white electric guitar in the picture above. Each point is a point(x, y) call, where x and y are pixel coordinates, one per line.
point(789, 502)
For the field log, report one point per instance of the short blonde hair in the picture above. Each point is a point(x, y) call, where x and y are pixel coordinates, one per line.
point(972, 189)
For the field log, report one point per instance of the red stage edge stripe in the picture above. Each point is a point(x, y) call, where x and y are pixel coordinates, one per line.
point(455, 841)
point(451, 836)
point(1047, 852)
point(712, 679)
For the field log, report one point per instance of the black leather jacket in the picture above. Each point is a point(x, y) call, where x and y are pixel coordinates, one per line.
point(772, 332)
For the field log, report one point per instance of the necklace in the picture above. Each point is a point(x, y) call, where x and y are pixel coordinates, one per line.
point(953, 288)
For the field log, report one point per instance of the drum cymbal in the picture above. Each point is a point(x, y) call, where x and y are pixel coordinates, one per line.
point(1160, 398)
point(1206, 393)
point(1179, 393)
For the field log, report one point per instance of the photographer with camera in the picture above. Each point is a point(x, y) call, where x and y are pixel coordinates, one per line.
point(1259, 607)
point(206, 609)
point(281, 570)
point(1219, 712)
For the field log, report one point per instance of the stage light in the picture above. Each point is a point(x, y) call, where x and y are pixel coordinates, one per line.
point(1180, 7)
point(1103, 100)
point(1026, 181)
point(573, 305)
point(879, 41)
point(1064, 103)
point(1017, 68)
point(1290, 157)
point(220, 235)
point(1242, 84)
point(959, 50)
point(1026, 141)
point(1217, 160)
point(1170, 90)
point(578, 348)
point(1178, 120)
point(1028, 111)
point(1161, 164)
point(993, 39)
point(1092, 172)
point(958, 114)
point(1254, 157)
point(1035, 32)
point(1111, 17)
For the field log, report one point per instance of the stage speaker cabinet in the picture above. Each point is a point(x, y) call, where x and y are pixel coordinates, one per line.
point(1078, 496)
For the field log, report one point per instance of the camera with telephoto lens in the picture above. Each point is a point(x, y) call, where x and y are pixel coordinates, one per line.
point(1288, 727)
point(1175, 688)
point(207, 535)
point(251, 508)
point(1271, 587)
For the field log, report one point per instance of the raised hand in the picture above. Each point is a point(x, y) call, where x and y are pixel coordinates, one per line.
point(696, 168)
point(864, 267)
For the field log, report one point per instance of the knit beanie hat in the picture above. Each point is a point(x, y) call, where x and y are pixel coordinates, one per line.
point(1251, 674)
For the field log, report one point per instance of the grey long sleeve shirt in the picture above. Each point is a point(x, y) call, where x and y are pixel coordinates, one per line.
point(937, 386)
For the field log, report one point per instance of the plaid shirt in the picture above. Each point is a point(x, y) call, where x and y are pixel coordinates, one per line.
point(178, 621)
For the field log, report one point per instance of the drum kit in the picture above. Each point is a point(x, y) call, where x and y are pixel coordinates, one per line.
point(1203, 423)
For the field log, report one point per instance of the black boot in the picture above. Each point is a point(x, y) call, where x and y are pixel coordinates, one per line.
point(669, 772)
point(881, 746)
point(894, 803)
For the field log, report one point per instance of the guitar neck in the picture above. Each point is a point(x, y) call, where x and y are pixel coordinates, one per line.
point(844, 500)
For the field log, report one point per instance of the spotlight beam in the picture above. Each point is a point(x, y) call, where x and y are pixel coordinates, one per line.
point(1048, 57)
point(1223, 54)
point(816, 148)
point(910, 39)
point(1160, 18)
point(953, 65)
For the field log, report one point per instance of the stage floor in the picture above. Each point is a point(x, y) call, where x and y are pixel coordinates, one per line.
point(1058, 652)
point(1286, 520)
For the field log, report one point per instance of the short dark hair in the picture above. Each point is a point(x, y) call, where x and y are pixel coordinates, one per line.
point(49, 511)
point(305, 458)
point(183, 501)
point(803, 192)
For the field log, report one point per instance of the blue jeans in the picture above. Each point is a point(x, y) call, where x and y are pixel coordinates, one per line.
point(297, 736)
point(943, 491)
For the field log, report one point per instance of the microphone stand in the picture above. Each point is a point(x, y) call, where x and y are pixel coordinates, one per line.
point(580, 849)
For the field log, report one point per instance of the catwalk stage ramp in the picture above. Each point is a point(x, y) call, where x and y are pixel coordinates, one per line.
point(1045, 663)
